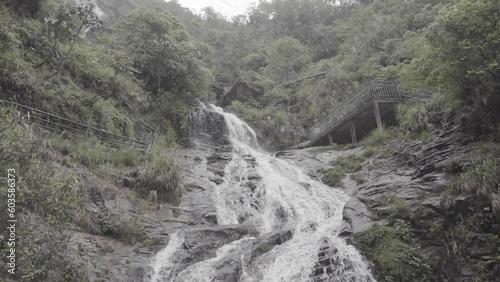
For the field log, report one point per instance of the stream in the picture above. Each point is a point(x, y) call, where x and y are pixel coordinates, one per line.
point(272, 195)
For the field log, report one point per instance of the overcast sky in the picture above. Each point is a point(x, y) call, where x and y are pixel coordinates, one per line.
point(228, 8)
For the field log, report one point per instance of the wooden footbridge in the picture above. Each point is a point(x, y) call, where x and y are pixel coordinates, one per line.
point(355, 118)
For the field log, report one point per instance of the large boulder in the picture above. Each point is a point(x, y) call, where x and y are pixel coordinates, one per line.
point(358, 215)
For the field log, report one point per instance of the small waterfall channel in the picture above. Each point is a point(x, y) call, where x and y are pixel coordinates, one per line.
point(273, 195)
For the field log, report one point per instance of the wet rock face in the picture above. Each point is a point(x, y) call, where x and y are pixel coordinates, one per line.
point(325, 263)
point(228, 271)
point(359, 216)
point(200, 245)
point(208, 129)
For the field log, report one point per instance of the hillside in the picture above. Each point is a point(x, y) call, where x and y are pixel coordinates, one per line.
point(424, 192)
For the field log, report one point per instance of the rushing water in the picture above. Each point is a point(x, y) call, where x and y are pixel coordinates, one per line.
point(283, 197)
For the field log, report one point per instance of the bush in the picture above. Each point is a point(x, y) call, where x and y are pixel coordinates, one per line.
point(369, 151)
point(92, 153)
point(413, 117)
point(127, 157)
point(350, 164)
point(343, 164)
point(397, 209)
point(151, 242)
point(358, 177)
point(334, 177)
point(483, 179)
point(129, 231)
point(380, 136)
point(390, 249)
point(17, 142)
point(159, 175)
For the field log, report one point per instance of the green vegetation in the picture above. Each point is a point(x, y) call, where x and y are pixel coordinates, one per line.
point(52, 203)
point(333, 177)
point(336, 147)
point(151, 242)
point(128, 230)
point(159, 176)
point(177, 212)
point(483, 179)
point(391, 249)
point(149, 65)
point(380, 136)
point(350, 164)
point(358, 177)
point(344, 164)
point(397, 208)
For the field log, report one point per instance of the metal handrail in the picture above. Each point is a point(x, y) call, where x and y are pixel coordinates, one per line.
point(373, 90)
point(57, 123)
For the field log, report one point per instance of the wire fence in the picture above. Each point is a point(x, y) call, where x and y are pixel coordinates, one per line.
point(65, 126)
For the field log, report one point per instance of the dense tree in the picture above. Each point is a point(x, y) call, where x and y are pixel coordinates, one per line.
point(286, 57)
point(463, 53)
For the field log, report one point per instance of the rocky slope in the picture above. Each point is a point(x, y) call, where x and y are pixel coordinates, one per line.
point(414, 173)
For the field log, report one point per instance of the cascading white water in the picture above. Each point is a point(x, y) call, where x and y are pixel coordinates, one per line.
point(162, 264)
point(283, 197)
point(205, 270)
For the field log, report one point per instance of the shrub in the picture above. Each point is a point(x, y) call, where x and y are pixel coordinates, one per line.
point(483, 179)
point(43, 250)
point(350, 164)
point(151, 242)
point(127, 157)
point(334, 177)
point(379, 136)
point(397, 208)
point(17, 142)
point(343, 164)
point(358, 177)
point(390, 250)
point(61, 144)
point(129, 231)
point(413, 117)
point(92, 153)
point(159, 174)
point(369, 151)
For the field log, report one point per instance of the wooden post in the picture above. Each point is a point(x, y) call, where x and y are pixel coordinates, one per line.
point(353, 133)
point(330, 139)
point(378, 118)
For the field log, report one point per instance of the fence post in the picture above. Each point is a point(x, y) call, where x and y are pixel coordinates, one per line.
point(353, 133)
point(378, 118)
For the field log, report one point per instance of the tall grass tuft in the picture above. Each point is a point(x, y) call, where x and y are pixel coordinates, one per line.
point(159, 174)
point(483, 179)
point(380, 136)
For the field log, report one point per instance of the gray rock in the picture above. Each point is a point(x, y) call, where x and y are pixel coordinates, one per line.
point(216, 180)
point(309, 226)
point(433, 202)
point(136, 273)
point(211, 217)
point(358, 215)
point(228, 271)
point(129, 182)
point(345, 230)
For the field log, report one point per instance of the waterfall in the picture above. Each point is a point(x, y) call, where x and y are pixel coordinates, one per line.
point(163, 264)
point(275, 195)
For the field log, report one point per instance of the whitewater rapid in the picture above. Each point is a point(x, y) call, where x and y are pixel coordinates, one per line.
point(284, 198)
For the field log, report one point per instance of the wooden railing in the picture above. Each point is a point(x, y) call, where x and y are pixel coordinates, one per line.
point(68, 127)
point(374, 90)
